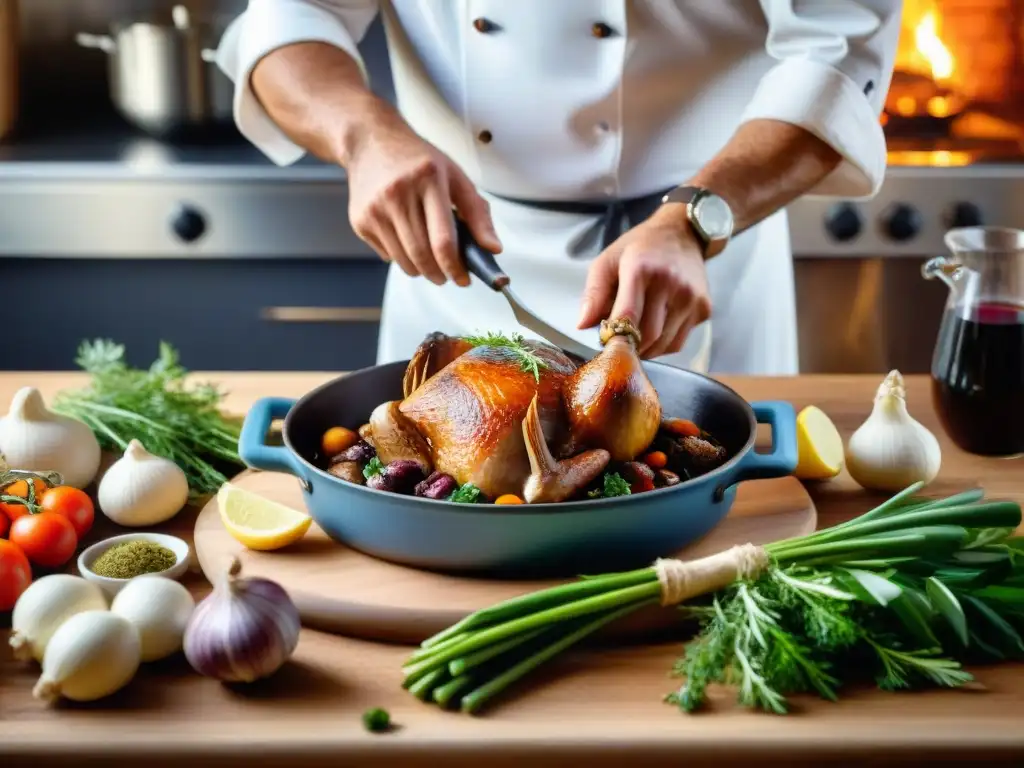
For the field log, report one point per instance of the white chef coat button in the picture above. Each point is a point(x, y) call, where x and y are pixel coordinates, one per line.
point(484, 25)
point(485, 137)
point(600, 29)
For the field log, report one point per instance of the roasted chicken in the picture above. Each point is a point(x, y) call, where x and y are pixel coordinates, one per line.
point(514, 416)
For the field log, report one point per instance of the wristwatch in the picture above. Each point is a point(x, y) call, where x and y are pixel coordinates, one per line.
point(709, 215)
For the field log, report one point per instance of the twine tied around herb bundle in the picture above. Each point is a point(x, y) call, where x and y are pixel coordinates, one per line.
point(682, 580)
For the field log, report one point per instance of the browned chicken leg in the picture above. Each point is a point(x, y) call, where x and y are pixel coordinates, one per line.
point(396, 438)
point(611, 404)
point(551, 480)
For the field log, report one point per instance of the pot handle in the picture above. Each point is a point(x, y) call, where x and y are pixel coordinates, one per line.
point(253, 451)
point(104, 43)
point(783, 458)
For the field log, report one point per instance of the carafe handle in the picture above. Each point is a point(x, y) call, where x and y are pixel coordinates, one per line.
point(944, 269)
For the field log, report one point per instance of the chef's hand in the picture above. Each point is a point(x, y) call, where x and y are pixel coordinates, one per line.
point(655, 275)
point(401, 194)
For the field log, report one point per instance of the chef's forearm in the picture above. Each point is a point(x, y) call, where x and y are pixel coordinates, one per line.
point(317, 96)
point(766, 165)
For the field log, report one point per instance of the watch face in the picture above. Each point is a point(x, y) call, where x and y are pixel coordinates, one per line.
point(713, 215)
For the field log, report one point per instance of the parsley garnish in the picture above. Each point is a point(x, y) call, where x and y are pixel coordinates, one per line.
point(466, 494)
point(515, 343)
point(614, 485)
point(373, 467)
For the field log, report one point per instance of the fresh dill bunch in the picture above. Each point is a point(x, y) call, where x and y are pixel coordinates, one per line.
point(517, 345)
point(155, 406)
point(800, 630)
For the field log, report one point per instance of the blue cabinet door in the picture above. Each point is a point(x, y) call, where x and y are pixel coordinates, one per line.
point(227, 314)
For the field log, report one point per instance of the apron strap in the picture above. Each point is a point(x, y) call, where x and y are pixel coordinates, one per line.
point(615, 215)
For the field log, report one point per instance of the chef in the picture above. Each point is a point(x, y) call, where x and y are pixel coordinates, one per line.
point(624, 157)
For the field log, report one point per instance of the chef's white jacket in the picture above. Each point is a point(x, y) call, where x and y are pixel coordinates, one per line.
point(584, 99)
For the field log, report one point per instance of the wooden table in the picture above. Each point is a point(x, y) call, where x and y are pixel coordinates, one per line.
point(593, 707)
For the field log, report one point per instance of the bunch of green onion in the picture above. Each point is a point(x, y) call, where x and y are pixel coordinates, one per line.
point(909, 545)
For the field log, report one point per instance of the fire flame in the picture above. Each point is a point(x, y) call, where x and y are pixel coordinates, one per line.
point(930, 45)
point(921, 48)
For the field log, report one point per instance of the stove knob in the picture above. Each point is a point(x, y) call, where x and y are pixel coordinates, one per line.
point(188, 224)
point(843, 222)
point(902, 222)
point(964, 215)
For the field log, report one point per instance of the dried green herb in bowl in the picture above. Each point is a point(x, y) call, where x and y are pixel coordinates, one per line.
point(133, 558)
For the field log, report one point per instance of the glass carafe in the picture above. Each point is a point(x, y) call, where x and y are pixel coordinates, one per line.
point(978, 363)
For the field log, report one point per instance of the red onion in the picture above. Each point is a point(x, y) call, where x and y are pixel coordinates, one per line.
point(246, 629)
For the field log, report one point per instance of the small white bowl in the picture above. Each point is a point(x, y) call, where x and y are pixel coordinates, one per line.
point(113, 586)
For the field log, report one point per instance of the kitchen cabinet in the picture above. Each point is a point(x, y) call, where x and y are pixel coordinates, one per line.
point(221, 314)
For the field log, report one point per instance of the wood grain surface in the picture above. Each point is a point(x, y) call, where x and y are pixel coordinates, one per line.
point(342, 590)
point(594, 706)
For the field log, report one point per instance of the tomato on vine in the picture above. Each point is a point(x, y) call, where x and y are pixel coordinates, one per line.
point(71, 503)
point(46, 538)
point(15, 574)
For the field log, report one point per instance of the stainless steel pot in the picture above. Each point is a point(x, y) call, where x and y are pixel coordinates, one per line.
point(162, 77)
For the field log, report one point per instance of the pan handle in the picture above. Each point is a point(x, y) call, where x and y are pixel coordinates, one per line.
point(478, 261)
point(103, 43)
point(251, 446)
point(783, 459)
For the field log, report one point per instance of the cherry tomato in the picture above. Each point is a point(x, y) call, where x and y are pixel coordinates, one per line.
point(12, 511)
point(71, 503)
point(5, 523)
point(47, 539)
point(15, 574)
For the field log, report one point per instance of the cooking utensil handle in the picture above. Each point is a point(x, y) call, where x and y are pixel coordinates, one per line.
point(252, 447)
point(782, 460)
point(103, 43)
point(478, 261)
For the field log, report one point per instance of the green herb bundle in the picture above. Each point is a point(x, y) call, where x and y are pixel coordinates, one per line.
point(904, 593)
point(156, 407)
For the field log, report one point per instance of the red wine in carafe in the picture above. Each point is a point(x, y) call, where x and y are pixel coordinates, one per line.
point(978, 378)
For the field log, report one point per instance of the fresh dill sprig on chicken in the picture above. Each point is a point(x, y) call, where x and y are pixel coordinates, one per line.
point(517, 345)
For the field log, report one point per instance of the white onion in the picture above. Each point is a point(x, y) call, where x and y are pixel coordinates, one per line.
point(246, 629)
point(44, 606)
point(160, 609)
point(91, 655)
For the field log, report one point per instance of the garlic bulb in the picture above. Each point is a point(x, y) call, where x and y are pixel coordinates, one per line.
point(34, 438)
point(44, 606)
point(244, 630)
point(891, 450)
point(160, 609)
point(142, 489)
point(91, 655)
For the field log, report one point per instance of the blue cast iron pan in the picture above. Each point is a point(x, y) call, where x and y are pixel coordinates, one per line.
point(528, 541)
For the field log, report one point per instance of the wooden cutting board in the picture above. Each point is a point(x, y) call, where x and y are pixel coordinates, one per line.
point(340, 590)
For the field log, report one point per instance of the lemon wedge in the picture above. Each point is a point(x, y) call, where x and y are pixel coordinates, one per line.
point(259, 523)
point(819, 444)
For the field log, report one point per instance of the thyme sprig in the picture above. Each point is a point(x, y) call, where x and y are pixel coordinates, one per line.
point(517, 345)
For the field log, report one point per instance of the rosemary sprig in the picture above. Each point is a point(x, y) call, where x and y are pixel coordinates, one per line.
point(517, 345)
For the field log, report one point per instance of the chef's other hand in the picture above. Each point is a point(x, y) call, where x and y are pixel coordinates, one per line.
point(655, 275)
point(401, 194)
